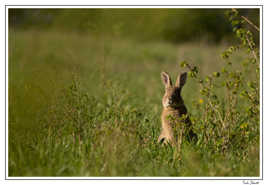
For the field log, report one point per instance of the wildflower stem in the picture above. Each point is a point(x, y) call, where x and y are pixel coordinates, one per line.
point(250, 23)
point(219, 114)
point(251, 48)
point(247, 20)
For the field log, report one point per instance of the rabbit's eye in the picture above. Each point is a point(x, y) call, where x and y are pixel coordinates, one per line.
point(178, 92)
point(175, 94)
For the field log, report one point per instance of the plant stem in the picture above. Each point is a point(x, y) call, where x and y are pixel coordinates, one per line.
point(219, 114)
point(249, 22)
point(251, 48)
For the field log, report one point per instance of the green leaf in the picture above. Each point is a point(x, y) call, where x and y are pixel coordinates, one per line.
point(216, 74)
point(183, 64)
point(235, 23)
point(244, 125)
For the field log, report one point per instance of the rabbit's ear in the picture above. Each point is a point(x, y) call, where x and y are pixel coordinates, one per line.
point(181, 80)
point(166, 79)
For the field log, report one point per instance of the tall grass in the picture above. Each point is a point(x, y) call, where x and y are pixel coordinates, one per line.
point(90, 106)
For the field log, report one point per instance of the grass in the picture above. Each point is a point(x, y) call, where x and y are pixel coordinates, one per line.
point(90, 106)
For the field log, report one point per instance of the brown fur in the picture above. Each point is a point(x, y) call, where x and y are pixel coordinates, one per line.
point(173, 107)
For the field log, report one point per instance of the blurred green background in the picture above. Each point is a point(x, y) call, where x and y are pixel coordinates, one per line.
point(173, 25)
point(116, 55)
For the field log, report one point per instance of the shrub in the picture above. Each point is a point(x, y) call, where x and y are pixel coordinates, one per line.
point(229, 118)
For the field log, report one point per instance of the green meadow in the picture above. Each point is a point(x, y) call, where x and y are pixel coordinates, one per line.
point(82, 104)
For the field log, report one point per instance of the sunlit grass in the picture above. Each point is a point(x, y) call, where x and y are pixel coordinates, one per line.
point(83, 105)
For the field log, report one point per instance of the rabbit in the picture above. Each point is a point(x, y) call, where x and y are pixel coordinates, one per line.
point(174, 111)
